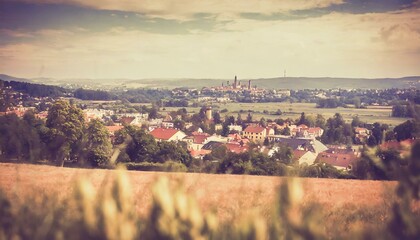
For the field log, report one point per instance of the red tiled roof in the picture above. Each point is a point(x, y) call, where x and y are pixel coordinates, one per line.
point(197, 153)
point(297, 154)
point(127, 120)
point(397, 145)
point(199, 139)
point(163, 133)
point(236, 147)
point(254, 129)
point(359, 129)
point(315, 129)
point(113, 129)
point(337, 159)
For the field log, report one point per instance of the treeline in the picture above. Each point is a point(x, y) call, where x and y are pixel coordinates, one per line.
point(406, 109)
point(86, 94)
point(143, 95)
point(66, 139)
point(328, 103)
point(63, 138)
point(35, 90)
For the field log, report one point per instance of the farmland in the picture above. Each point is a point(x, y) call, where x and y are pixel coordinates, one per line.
point(371, 114)
point(345, 204)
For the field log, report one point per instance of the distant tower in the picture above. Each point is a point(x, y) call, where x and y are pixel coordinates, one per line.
point(284, 72)
point(208, 113)
point(249, 84)
point(235, 84)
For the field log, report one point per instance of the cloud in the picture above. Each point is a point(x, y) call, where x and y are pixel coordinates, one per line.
point(185, 9)
point(379, 44)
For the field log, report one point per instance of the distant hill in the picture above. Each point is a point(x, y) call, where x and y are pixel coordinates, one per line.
point(294, 83)
point(35, 90)
point(10, 78)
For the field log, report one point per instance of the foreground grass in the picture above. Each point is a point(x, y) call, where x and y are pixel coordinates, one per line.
point(43, 202)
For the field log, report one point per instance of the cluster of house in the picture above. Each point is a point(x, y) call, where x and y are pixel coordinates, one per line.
point(302, 139)
point(306, 150)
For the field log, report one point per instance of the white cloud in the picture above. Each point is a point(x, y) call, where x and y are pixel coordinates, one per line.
point(181, 9)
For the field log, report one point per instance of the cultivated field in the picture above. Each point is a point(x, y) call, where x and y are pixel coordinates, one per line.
point(345, 204)
point(372, 114)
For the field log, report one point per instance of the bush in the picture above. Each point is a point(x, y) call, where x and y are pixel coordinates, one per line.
point(169, 166)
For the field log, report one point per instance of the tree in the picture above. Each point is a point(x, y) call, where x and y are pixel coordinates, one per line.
point(170, 151)
point(399, 110)
point(283, 154)
point(239, 120)
point(320, 121)
point(217, 119)
point(407, 130)
point(98, 145)
point(249, 118)
point(357, 102)
point(286, 131)
point(143, 146)
point(66, 124)
point(302, 120)
point(356, 122)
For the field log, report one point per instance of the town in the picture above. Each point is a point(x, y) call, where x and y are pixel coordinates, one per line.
point(309, 140)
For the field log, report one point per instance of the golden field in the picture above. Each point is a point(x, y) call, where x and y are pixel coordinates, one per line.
point(344, 204)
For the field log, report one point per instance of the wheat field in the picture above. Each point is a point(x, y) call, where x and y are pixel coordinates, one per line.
point(344, 204)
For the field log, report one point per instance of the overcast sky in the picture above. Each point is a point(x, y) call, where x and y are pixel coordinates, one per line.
point(209, 39)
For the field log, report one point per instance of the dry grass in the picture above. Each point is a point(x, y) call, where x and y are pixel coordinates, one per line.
point(345, 203)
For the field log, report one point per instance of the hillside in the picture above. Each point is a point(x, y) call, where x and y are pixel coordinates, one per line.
point(16, 79)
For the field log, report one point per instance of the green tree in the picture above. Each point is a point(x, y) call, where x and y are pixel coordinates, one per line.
point(407, 130)
point(217, 119)
point(320, 121)
point(66, 124)
point(98, 145)
point(171, 151)
point(283, 154)
point(249, 118)
point(143, 146)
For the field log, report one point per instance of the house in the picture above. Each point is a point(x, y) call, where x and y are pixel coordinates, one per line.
point(199, 154)
point(236, 128)
point(339, 159)
point(403, 147)
point(127, 120)
point(236, 147)
point(361, 134)
point(196, 141)
point(257, 133)
point(304, 157)
point(307, 144)
point(167, 134)
point(167, 124)
point(113, 129)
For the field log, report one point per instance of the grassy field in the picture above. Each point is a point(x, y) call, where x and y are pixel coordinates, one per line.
point(372, 114)
point(345, 204)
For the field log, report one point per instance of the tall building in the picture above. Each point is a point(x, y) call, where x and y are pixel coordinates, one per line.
point(208, 113)
point(235, 84)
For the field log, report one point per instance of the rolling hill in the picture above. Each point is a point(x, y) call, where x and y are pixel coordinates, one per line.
point(294, 83)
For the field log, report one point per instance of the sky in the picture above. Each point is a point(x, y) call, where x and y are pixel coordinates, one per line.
point(209, 39)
